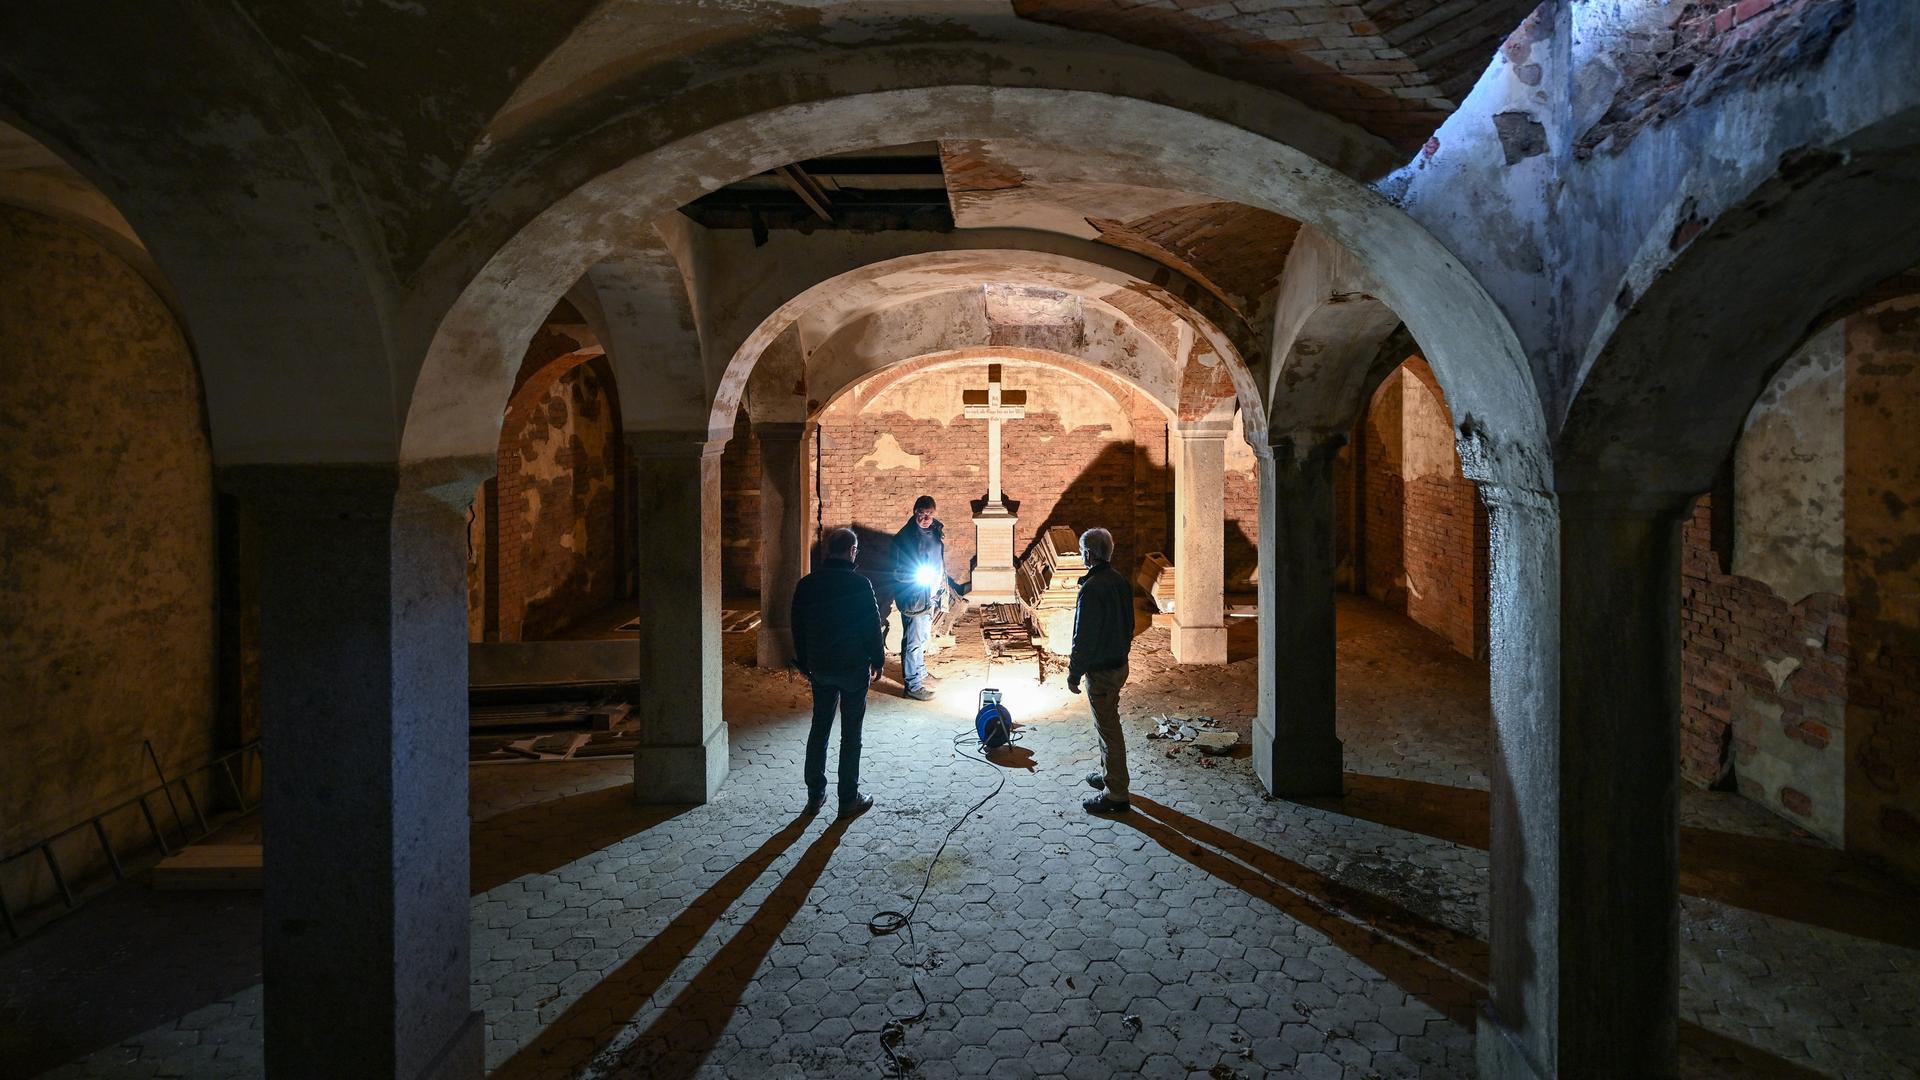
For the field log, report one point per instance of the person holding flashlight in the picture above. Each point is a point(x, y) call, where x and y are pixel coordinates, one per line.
point(839, 647)
point(919, 570)
point(1102, 638)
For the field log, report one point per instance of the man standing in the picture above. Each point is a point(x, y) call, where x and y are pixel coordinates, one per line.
point(1102, 635)
point(919, 569)
point(838, 645)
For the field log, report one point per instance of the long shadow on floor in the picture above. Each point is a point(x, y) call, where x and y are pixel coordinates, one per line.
point(1441, 966)
point(1818, 886)
point(542, 837)
point(578, 1035)
point(86, 981)
point(683, 1035)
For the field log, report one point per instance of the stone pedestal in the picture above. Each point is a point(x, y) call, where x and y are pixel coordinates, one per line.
point(1199, 538)
point(682, 757)
point(363, 675)
point(995, 579)
point(1585, 832)
point(1295, 750)
point(783, 535)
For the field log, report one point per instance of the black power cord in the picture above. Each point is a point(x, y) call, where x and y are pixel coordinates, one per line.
point(884, 923)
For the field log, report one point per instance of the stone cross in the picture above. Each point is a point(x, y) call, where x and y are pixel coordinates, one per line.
point(994, 404)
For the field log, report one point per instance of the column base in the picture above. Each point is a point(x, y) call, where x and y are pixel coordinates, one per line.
point(680, 774)
point(1497, 1053)
point(995, 580)
point(1199, 644)
point(994, 585)
point(1298, 766)
point(465, 1055)
point(774, 646)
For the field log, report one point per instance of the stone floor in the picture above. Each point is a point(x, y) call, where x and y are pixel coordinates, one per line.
point(1212, 933)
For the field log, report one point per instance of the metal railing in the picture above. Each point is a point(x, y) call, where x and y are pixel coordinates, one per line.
point(166, 847)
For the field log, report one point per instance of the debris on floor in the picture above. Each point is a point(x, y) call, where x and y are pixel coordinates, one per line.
point(1132, 1022)
point(734, 621)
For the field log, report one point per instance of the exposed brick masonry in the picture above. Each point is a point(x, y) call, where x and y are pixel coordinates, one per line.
point(1730, 629)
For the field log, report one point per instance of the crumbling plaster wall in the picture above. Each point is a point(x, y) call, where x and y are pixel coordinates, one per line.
point(1764, 648)
point(1801, 667)
point(547, 539)
point(108, 595)
point(1615, 133)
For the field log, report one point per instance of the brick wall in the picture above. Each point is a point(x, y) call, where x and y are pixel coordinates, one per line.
point(1883, 584)
point(1762, 683)
point(108, 581)
point(740, 511)
point(1242, 505)
point(1098, 459)
point(1410, 530)
point(548, 542)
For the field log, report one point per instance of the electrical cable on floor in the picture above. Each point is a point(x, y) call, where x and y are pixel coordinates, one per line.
point(883, 923)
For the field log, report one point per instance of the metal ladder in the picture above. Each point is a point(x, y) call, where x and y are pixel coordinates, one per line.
point(44, 846)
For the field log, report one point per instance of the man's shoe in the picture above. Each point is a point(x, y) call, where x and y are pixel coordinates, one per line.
point(1102, 804)
point(860, 805)
point(1096, 781)
point(814, 803)
point(922, 694)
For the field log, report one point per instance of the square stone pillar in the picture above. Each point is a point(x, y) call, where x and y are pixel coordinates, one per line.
point(682, 756)
point(363, 674)
point(784, 545)
point(1584, 900)
point(1295, 750)
point(1199, 542)
point(994, 580)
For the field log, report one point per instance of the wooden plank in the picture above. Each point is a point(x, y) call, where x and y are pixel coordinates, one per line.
point(210, 866)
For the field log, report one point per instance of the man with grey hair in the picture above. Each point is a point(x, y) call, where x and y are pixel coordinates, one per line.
point(839, 647)
point(1102, 636)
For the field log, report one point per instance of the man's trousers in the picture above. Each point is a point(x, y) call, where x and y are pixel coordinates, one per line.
point(1103, 693)
point(846, 692)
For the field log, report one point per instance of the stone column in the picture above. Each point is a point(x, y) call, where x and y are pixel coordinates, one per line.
point(1199, 542)
point(363, 639)
point(1295, 749)
point(682, 755)
point(1584, 875)
point(783, 534)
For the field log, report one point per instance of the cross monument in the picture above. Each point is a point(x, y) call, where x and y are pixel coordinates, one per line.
point(993, 570)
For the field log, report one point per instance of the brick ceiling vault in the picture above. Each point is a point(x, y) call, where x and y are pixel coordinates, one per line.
point(1396, 68)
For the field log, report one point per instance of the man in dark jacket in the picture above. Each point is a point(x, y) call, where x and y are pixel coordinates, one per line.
point(919, 569)
point(838, 645)
point(1102, 636)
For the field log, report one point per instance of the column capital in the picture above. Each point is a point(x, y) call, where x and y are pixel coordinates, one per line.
point(1201, 429)
point(1296, 447)
point(675, 444)
point(766, 430)
point(358, 489)
point(1622, 502)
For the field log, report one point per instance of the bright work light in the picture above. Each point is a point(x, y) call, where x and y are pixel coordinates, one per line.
point(926, 574)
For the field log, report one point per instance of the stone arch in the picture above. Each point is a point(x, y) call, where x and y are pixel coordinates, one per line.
point(245, 296)
point(1150, 325)
point(1100, 337)
point(1072, 365)
point(1667, 380)
point(475, 301)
